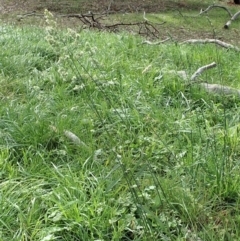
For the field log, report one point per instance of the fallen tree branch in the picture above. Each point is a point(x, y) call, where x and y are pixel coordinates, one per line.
point(215, 6)
point(89, 19)
point(155, 43)
point(184, 75)
point(220, 89)
point(215, 41)
point(201, 69)
point(234, 17)
point(92, 21)
point(210, 88)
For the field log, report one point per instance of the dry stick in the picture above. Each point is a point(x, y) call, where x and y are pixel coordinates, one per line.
point(92, 22)
point(234, 17)
point(214, 88)
point(210, 88)
point(220, 89)
point(215, 6)
point(201, 69)
point(155, 43)
point(148, 21)
point(144, 16)
point(88, 19)
point(215, 41)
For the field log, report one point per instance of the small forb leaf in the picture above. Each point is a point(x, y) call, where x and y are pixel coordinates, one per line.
point(73, 138)
point(55, 216)
point(49, 233)
point(48, 237)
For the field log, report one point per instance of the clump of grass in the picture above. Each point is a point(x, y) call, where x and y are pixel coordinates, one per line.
point(161, 156)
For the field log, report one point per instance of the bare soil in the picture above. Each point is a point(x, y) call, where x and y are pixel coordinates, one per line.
point(82, 6)
point(10, 9)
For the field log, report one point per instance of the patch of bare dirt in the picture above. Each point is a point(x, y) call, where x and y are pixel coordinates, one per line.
point(64, 6)
point(83, 6)
point(10, 10)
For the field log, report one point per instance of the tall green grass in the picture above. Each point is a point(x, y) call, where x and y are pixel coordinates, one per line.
point(158, 158)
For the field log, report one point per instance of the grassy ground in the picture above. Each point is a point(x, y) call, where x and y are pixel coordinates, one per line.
point(102, 140)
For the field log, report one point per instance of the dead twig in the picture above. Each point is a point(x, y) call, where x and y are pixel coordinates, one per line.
point(92, 20)
point(89, 19)
point(215, 41)
point(201, 69)
point(145, 27)
point(144, 16)
point(155, 43)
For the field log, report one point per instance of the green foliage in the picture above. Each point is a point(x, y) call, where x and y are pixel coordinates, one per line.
point(155, 157)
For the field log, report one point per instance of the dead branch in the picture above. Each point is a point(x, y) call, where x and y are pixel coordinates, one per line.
point(144, 16)
point(201, 69)
point(215, 6)
point(155, 43)
point(214, 88)
point(215, 41)
point(146, 20)
point(210, 88)
point(220, 89)
point(92, 21)
point(234, 17)
point(184, 75)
